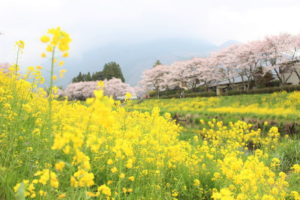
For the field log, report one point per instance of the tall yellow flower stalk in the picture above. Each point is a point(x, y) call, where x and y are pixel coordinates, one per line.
point(56, 40)
point(20, 46)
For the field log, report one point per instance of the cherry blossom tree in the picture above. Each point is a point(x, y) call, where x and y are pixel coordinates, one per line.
point(207, 74)
point(117, 89)
point(248, 60)
point(293, 55)
point(226, 62)
point(155, 79)
point(192, 73)
point(178, 75)
point(83, 90)
point(279, 51)
point(139, 91)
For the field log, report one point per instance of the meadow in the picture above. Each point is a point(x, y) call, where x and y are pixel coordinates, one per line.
point(101, 149)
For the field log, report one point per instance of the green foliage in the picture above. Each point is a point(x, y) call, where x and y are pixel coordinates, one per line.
point(289, 154)
point(98, 76)
point(110, 70)
point(78, 78)
point(157, 63)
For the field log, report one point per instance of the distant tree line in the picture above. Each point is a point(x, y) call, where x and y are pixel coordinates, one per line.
point(110, 70)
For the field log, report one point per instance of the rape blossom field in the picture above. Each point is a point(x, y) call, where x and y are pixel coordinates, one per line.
point(277, 106)
point(101, 149)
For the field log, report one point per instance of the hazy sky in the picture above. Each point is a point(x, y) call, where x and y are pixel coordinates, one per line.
point(98, 22)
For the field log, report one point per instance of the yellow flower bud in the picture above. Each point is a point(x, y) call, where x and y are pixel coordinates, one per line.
point(45, 39)
point(20, 44)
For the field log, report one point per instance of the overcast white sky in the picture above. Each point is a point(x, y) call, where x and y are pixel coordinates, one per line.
point(94, 23)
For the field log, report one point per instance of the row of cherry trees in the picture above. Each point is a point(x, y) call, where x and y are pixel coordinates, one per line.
point(82, 90)
point(277, 54)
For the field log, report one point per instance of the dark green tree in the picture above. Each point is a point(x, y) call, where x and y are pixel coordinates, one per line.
point(111, 70)
point(88, 77)
point(78, 78)
point(84, 77)
point(157, 63)
point(97, 76)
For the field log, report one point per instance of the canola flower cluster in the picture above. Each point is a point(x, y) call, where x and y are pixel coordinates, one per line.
point(100, 150)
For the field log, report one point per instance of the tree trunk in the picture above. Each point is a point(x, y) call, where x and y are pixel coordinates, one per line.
point(206, 86)
point(278, 76)
point(230, 83)
point(243, 82)
point(249, 83)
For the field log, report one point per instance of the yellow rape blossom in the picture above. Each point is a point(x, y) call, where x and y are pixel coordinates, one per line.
point(59, 166)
